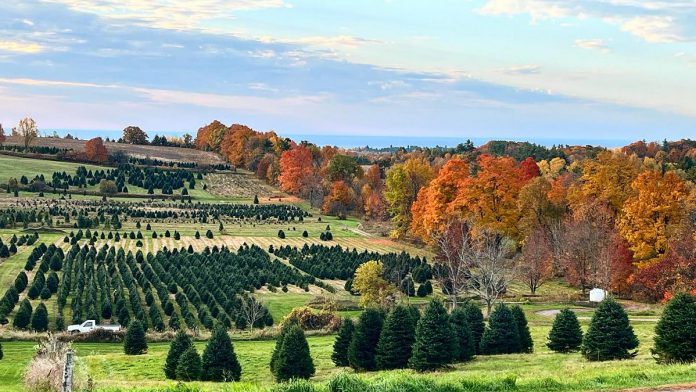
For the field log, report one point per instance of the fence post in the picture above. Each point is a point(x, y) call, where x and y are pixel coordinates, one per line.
point(68, 371)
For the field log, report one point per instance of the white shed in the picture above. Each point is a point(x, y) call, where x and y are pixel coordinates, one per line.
point(597, 295)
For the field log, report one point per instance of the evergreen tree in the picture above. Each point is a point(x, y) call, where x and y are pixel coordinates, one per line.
point(565, 335)
point(134, 342)
point(294, 359)
point(219, 360)
point(181, 343)
point(526, 342)
point(435, 341)
point(474, 316)
point(675, 333)
point(395, 340)
point(363, 345)
point(340, 347)
point(502, 335)
point(189, 366)
point(39, 320)
point(1, 353)
point(610, 335)
point(279, 344)
point(465, 349)
point(23, 316)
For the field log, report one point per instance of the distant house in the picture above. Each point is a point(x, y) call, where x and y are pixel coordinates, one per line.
point(597, 295)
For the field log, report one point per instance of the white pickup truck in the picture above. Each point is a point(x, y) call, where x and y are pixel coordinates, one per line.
point(91, 325)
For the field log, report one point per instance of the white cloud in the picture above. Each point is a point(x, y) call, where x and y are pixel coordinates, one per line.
point(20, 47)
point(537, 9)
point(593, 44)
point(522, 69)
point(656, 29)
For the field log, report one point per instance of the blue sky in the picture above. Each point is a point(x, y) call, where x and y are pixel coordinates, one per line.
point(523, 69)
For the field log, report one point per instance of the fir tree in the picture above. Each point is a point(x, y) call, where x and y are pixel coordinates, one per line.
point(134, 342)
point(363, 345)
point(39, 320)
point(219, 360)
point(465, 349)
point(181, 343)
point(502, 335)
point(395, 340)
point(435, 341)
point(474, 316)
point(565, 335)
point(279, 344)
point(610, 335)
point(294, 359)
point(23, 316)
point(526, 342)
point(340, 347)
point(189, 366)
point(675, 333)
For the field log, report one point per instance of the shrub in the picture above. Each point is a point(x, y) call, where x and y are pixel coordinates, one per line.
point(435, 344)
point(134, 342)
point(39, 320)
point(474, 318)
point(565, 335)
point(526, 343)
point(395, 340)
point(309, 319)
point(501, 336)
point(189, 366)
point(294, 359)
point(219, 360)
point(610, 335)
point(465, 349)
point(675, 333)
point(363, 345)
point(179, 345)
point(340, 347)
point(281, 234)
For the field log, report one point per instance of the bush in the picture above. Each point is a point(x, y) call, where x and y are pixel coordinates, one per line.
point(610, 335)
point(179, 345)
point(501, 336)
point(526, 343)
point(281, 234)
point(565, 335)
point(435, 342)
point(189, 365)
point(340, 347)
point(219, 360)
point(134, 342)
point(39, 320)
point(294, 359)
point(309, 319)
point(363, 345)
point(395, 340)
point(675, 333)
point(465, 349)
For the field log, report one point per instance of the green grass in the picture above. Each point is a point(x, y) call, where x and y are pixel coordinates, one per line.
point(17, 167)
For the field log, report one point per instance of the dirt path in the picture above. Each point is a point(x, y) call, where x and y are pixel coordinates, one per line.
point(554, 312)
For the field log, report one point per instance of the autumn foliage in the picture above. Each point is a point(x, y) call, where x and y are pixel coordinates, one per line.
point(95, 150)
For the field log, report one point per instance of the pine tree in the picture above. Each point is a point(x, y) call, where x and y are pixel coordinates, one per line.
point(181, 343)
point(188, 367)
point(340, 347)
point(610, 335)
point(675, 333)
point(565, 335)
point(363, 345)
point(294, 359)
point(1, 353)
point(23, 316)
point(39, 320)
point(502, 335)
point(435, 341)
point(219, 360)
point(474, 316)
point(134, 342)
point(279, 344)
point(526, 342)
point(465, 349)
point(395, 340)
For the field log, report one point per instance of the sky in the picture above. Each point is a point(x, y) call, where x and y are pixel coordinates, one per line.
point(520, 69)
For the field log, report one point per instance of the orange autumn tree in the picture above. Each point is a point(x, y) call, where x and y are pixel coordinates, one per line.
point(372, 194)
point(659, 203)
point(607, 179)
point(431, 209)
point(210, 136)
point(296, 168)
point(339, 200)
point(95, 150)
point(234, 144)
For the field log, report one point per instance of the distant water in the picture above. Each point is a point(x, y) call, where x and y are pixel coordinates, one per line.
point(352, 141)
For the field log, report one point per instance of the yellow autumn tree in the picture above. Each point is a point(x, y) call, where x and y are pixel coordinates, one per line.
point(368, 281)
point(658, 204)
point(403, 183)
point(607, 179)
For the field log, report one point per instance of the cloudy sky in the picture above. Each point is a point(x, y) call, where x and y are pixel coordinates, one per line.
point(575, 69)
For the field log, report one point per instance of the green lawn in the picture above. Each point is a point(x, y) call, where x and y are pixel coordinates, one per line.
point(17, 167)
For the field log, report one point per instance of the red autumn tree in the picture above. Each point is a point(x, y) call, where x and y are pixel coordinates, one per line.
point(296, 169)
point(95, 150)
point(529, 169)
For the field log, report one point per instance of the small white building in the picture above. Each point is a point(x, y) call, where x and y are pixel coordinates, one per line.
point(597, 295)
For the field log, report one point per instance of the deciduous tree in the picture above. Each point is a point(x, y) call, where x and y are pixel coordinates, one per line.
point(95, 150)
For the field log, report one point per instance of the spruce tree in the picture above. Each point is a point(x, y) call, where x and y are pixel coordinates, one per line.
point(294, 359)
point(526, 342)
point(39, 320)
point(219, 360)
point(340, 347)
point(565, 335)
point(502, 335)
point(474, 316)
point(610, 335)
point(134, 342)
point(465, 349)
point(395, 340)
point(189, 366)
point(435, 341)
point(363, 345)
point(23, 316)
point(1, 353)
point(181, 343)
point(675, 333)
point(279, 344)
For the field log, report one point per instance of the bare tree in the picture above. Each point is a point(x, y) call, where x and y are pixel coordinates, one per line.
point(27, 130)
point(535, 265)
point(252, 310)
point(490, 271)
point(454, 252)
